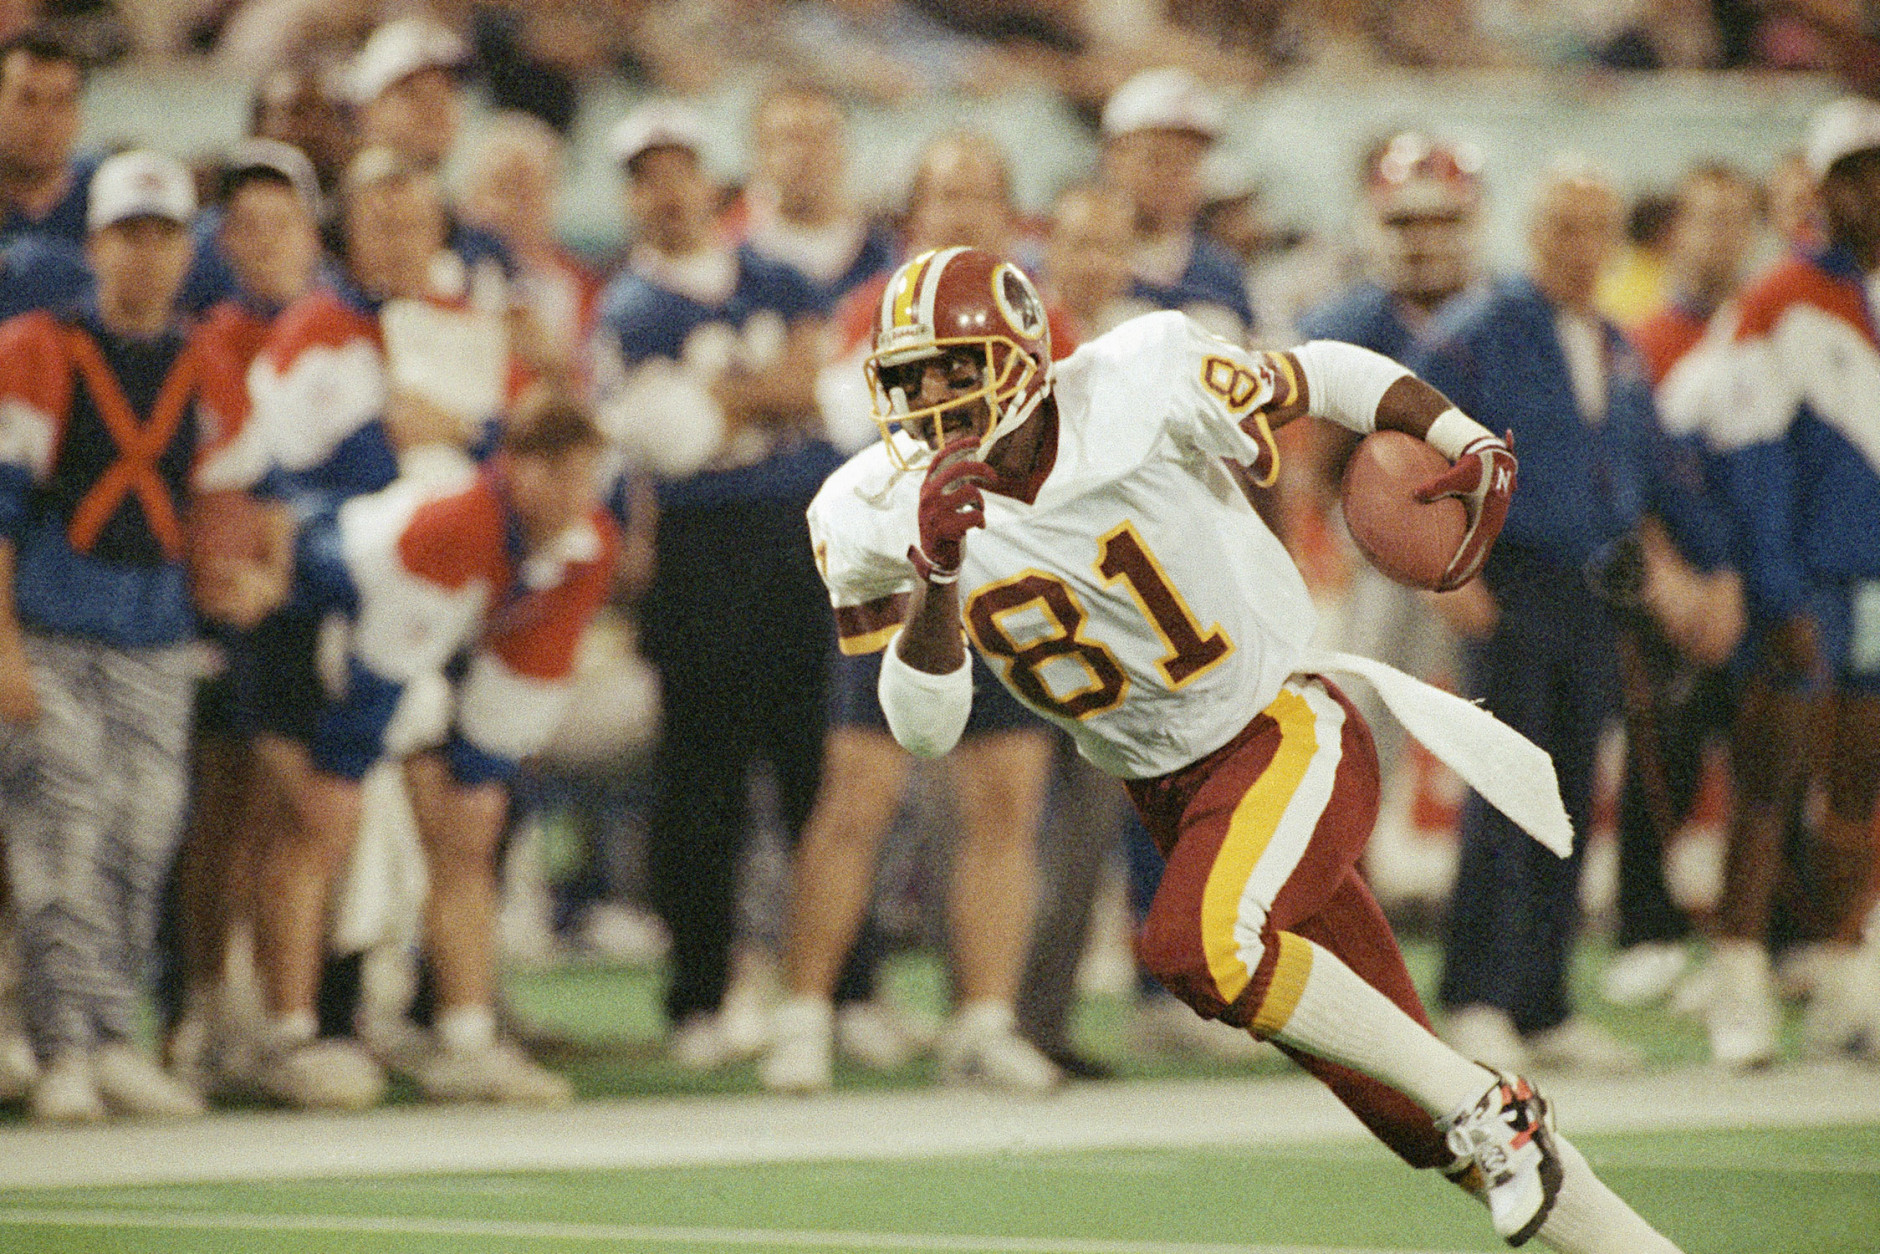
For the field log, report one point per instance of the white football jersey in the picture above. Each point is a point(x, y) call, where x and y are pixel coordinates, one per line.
point(1140, 603)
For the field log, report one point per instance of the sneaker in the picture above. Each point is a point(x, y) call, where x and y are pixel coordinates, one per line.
point(1579, 1044)
point(1741, 1019)
point(801, 1054)
point(327, 1074)
point(982, 1046)
point(1486, 1034)
point(622, 934)
point(1509, 1135)
point(66, 1091)
point(1695, 990)
point(1161, 1026)
point(18, 1067)
point(1843, 1017)
point(880, 1035)
point(698, 1043)
point(134, 1086)
point(497, 1072)
point(1076, 1066)
point(1643, 974)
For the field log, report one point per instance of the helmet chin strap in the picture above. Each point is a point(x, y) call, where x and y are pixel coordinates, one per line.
point(1021, 407)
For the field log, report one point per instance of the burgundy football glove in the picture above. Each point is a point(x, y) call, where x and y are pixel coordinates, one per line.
point(1483, 480)
point(950, 506)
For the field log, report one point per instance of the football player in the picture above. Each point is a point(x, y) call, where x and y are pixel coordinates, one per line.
point(1080, 523)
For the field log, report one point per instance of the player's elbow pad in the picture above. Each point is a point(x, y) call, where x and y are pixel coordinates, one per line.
point(925, 712)
point(1344, 383)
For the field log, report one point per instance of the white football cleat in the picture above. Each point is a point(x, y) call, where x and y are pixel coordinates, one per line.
point(66, 1091)
point(801, 1054)
point(981, 1046)
point(1508, 1133)
point(326, 1074)
point(497, 1072)
point(134, 1086)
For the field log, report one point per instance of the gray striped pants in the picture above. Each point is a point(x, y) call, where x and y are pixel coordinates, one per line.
point(94, 796)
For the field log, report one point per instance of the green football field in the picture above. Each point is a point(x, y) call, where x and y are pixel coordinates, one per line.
point(1803, 1192)
point(1171, 1158)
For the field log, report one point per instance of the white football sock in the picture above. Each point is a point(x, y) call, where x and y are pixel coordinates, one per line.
point(1342, 1019)
point(1589, 1218)
point(466, 1028)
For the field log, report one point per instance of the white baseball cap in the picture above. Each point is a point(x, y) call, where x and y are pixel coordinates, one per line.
point(1168, 99)
point(657, 124)
point(1849, 125)
point(279, 158)
point(140, 184)
point(401, 48)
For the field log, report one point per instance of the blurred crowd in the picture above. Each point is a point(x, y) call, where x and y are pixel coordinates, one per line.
point(439, 528)
point(890, 51)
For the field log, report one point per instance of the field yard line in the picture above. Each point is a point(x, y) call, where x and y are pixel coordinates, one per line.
point(718, 1131)
point(643, 1234)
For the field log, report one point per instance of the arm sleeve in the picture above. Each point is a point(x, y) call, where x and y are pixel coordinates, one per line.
point(35, 391)
point(1222, 387)
point(520, 681)
point(1344, 382)
point(926, 713)
point(1742, 397)
point(419, 594)
point(861, 553)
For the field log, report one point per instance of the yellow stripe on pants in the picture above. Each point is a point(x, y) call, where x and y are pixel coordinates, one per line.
point(1249, 832)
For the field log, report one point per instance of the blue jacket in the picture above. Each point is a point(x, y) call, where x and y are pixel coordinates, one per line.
point(1795, 420)
point(1583, 485)
point(1364, 314)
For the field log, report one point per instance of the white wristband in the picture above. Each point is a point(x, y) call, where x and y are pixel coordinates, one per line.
point(926, 713)
point(1454, 431)
point(1344, 383)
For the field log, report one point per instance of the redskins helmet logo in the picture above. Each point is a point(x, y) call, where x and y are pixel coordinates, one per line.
point(1018, 301)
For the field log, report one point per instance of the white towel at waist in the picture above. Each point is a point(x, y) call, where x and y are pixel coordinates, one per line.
point(1512, 773)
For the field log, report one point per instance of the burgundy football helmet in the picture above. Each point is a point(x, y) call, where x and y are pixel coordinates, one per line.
point(984, 314)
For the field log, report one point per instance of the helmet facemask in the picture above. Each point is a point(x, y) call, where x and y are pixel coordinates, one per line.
point(1009, 385)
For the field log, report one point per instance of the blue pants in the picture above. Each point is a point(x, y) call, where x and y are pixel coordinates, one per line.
point(1549, 672)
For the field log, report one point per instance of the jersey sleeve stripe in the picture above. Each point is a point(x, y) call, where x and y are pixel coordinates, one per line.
point(867, 628)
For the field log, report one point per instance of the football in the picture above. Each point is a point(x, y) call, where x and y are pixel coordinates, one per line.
point(1409, 541)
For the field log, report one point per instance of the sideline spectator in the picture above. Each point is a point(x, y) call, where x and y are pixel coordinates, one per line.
point(503, 576)
point(511, 191)
point(796, 208)
point(292, 104)
point(1157, 130)
point(269, 210)
point(1784, 410)
point(43, 187)
point(1421, 198)
point(961, 197)
point(407, 88)
point(1678, 696)
point(340, 423)
point(705, 365)
point(1530, 355)
point(1087, 254)
point(107, 414)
